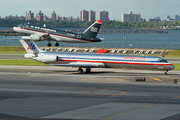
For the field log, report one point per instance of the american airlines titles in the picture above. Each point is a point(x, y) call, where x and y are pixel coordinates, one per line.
point(153, 52)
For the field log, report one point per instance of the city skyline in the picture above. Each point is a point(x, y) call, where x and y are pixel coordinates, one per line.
point(147, 9)
point(90, 16)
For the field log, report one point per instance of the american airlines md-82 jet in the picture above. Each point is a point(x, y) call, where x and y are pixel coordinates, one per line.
point(38, 33)
point(88, 61)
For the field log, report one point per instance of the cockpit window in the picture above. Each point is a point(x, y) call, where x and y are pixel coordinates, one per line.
point(163, 60)
point(22, 25)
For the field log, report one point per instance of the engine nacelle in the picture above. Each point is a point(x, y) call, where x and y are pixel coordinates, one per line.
point(36, 38)
point(47, 59)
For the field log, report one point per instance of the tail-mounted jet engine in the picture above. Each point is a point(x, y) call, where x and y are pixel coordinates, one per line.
point(47, 59)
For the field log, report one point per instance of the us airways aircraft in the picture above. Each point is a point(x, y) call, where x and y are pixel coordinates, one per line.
point(38, 33)
point(88, 61)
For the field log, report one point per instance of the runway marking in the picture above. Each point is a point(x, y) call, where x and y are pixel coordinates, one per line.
point(157, 79)
point(146, 106)
point(100, 90)
point(35, 76)
point(104, 80)
point(177, 97)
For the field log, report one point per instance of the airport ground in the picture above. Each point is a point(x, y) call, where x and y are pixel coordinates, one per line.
point(49, 92)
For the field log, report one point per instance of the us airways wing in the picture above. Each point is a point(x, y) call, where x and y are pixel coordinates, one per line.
point(82, 64)
point(38, 37)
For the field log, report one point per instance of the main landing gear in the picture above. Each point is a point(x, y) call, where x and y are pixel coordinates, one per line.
point(88, 70)
point(165, 73)
point(49, 44)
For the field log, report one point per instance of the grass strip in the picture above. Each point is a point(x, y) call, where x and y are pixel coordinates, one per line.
point(12, 50)
point(177, 66)
point(21, 62)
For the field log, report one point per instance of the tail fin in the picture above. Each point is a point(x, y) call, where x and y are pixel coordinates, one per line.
point(30, 46)
point(93, 30)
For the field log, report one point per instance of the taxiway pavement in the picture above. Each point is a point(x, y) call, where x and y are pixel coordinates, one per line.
point(48, 92)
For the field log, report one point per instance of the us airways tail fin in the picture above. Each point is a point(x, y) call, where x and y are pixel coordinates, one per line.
point(30, 46)
point(93, 30)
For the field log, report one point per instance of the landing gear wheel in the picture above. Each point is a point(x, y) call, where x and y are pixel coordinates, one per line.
point(49, 44)
point(57, 44)
point(80, 70)
point(88, 70)
point(165, 73)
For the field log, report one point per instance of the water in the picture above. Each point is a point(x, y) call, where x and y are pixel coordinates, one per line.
point(147, 41)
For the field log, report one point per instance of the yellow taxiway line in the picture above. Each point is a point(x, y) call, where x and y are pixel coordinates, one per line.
point(157, 79)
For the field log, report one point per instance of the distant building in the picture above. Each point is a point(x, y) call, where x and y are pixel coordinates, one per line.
point(156, 19)
point(70, 18)
point(91, 15)
point(103, 15)
point(29, 15)
point(39, 16)
point(131, 17)
point(169, 19)
point(84, 15)
point(143, 20)
point(53, 16)
point(177, 18)
point(14, 17)
point(46, 18)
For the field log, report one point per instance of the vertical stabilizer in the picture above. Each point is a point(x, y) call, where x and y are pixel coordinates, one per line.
point(93, 30)
point(30, 46)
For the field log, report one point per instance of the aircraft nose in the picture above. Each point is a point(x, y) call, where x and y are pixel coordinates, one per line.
point(172, 67)
point(14, 28)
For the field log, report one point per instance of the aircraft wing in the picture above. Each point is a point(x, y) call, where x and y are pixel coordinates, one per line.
point(82, 64)
point(47, 37)
point(42, 37)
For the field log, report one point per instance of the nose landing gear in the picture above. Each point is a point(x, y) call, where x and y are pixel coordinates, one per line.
point(165, 73)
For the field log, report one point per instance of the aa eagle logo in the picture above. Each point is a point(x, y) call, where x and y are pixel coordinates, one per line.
point(31, 46)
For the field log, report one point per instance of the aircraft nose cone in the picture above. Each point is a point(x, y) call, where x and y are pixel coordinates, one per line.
point(172, 67)
point(14, 28)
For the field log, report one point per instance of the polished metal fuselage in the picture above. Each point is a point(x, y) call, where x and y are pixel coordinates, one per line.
point(113, 61)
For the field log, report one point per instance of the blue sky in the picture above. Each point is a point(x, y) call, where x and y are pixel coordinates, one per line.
point(67, 8)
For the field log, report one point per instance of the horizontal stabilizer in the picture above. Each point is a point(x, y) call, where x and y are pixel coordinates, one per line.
point(18, 38)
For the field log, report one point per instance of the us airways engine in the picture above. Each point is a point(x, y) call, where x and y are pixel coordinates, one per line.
point(47, 59)
point(37, 38)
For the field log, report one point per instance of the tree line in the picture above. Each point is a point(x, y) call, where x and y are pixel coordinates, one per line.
point(80, 24)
